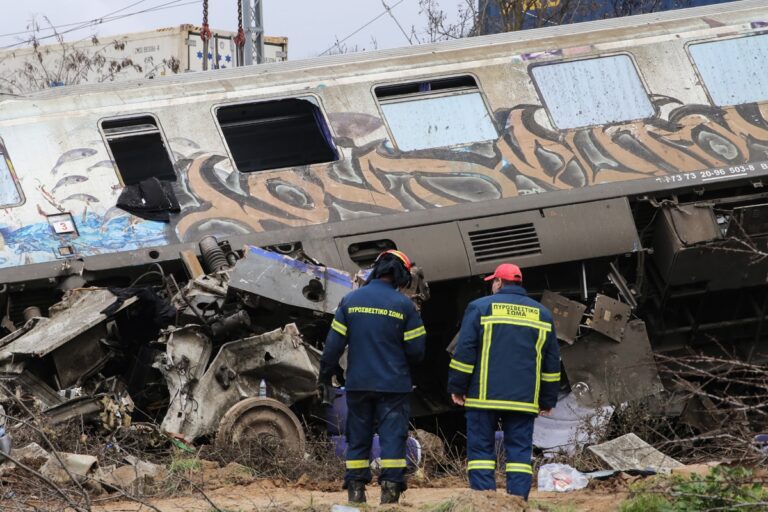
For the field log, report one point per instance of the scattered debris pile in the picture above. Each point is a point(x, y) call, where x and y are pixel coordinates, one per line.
point(233, 352)
point(221, 352)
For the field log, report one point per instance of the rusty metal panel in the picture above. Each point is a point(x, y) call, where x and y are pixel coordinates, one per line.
point(751, 220)
point(693, 224)
point(602, 371)
point(552, 235)
point(592, 91)
point(610, 317)
point(566, 313)
point(689, 248)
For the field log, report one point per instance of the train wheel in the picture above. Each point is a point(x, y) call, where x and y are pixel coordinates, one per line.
point(263, 421)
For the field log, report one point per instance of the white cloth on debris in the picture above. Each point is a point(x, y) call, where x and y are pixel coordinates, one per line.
point(570, 426)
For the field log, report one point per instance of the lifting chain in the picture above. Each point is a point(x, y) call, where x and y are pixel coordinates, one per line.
point(240, 37)
point(205, 34)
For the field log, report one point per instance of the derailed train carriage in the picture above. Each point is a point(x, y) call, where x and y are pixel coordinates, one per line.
point(621, 163)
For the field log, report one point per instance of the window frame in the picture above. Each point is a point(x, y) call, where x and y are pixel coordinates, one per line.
point(160, 129)
point(699, 77)
point(628, 54)
point(315, 100)
point(19, 190)
point(437, 94)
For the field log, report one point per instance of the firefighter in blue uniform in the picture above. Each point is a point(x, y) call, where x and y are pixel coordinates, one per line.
point(384, 334)
point(506, 367)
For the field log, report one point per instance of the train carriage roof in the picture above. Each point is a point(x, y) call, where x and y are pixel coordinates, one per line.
point(316, 69)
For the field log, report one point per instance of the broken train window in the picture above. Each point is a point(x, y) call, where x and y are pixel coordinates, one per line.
point(9, 188)
point(596, 91)
point(276, 134)
point(436, 113)
point(139, 149)
point(733, 70)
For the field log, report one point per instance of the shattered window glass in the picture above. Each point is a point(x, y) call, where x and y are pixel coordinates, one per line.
point(139, 149)
point(436, 113)
point(9, 192)
point(276, 134)
point(439, 122)
point(593, 91)
point(733, 70)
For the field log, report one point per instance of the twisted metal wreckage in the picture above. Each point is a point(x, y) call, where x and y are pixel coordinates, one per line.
point(231, 345)
point(235, 352)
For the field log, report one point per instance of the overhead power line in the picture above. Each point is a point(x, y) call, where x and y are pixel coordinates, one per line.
point(397, 22)
point(109, 17)
point(65, 25)
point(367, 24)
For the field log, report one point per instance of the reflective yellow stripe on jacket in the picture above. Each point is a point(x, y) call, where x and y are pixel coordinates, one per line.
point(539, 344)
point(482, 402)
point(339, 327)
point(414, 333)
point(461, 367)
point(502, 405)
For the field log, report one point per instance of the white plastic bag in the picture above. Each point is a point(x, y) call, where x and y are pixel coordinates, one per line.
point(560, 478)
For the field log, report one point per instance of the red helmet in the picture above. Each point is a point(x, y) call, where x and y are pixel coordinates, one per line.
point(399, 255)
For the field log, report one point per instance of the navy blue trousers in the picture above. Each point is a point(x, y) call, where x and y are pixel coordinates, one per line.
point(388, 415)
point(481, 449)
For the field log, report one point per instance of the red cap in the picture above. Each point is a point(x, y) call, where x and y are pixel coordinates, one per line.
point(507, 272)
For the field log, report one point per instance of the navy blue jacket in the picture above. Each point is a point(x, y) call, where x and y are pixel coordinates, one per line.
point(507, 357)
point(384, 333)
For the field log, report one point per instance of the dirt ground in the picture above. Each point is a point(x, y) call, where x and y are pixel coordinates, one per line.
point(265, 495)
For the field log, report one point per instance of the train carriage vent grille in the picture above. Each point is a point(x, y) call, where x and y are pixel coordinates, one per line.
point(506, 242)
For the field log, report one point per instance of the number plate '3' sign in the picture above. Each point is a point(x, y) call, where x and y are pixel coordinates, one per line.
point(62, 224)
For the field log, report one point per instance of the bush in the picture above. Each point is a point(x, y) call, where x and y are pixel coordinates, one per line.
point(723, 489)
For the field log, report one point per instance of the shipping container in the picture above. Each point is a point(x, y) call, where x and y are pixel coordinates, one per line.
point(149, 54)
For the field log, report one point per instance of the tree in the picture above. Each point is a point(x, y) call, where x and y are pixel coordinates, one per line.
point(39, 66)
point(477, 17)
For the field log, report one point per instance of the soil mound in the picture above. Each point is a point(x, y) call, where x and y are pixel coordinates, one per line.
point(486, 501)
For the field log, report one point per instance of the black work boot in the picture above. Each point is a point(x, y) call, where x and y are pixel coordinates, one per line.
point(390, 492)
point(356, 491)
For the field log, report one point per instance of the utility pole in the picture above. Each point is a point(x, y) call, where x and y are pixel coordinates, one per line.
point(253, 17)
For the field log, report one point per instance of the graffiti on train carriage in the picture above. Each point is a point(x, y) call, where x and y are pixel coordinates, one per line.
point(528, 157)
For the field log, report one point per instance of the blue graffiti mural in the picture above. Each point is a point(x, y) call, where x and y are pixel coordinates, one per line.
point(35, 243)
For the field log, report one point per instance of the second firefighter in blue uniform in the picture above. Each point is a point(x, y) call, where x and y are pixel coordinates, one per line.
point(506, 368)
point(385, 334)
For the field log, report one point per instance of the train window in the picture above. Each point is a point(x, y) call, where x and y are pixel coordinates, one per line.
point(139, 149)
point(9, 190)
point(276, 134)
point(593, 91)
point(436, 113)
point(733, 70)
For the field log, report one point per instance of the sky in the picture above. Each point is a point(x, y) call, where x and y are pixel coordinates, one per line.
point(312, 26)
